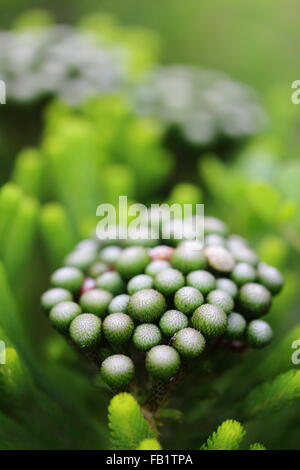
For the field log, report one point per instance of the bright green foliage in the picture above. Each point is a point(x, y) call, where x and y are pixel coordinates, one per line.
point(126, 422)
point(272, 396)
point(56, 231)
point(149, 444)
point(28, 172)
point(18, 223)
point(227, 437)
point(257, 446)
point(279, 358)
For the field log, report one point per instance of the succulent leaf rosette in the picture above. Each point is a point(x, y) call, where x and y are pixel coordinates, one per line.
point(143, 314)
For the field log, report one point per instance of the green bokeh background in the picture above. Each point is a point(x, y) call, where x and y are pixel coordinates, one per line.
point(253, 185)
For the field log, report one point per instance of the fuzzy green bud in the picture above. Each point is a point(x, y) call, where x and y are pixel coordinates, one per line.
point(96, 301)
point(243, 273)
point(146, 305)
point(243, 254)
point(97, 269)
point(254, 299)
point(219, 259)
point(68, 278)
point(132, 261)
point(202, 280)
point(270, 277)
point(111, 281)
point(85, 330)
point(110, 254)
point(119, 304)
point(172, 321)
point(156, 267)
point(62, 314)
point(146, 336)
point(169, 281)
point(228, 286)
point(186, 259)
point(118, 328)
point(139, 282)
point(210, 320)
point(162, 362)
point(259, 334)
point(187, 299)
point(54, 296)
point(221, 299)
point(80, 259)
point(236, 326)
point(189, 342)
point(117, 371)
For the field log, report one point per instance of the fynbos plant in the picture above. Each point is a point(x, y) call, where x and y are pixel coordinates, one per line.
point(148, 317)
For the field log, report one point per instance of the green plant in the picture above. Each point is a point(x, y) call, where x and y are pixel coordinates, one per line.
point(144, 337)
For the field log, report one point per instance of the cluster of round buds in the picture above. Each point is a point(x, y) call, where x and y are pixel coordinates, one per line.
point(165, 303)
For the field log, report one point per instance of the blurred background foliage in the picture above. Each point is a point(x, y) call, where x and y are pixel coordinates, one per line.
point(154, 132)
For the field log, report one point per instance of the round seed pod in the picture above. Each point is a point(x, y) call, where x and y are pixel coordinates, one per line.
point(68, 278)
point(132, 261)
point(62, 314)
point(219, 259)
point(88, 284)
point(96, 301)
point(185, 259)
point(89, 244)
point(147, 305)
point(214, 225)
point(243, 273)
point(139, 282)
point(119, 304)
point(110, 254)
point(210, 320)
point(85, 330)
point(162, 252)
point(118, 328)
point(193, 245)
point(221, 299)
point(80, 259)
point(111, 281)
point(172, 321)
point(254, 299)
point(187, 299)
point(236, 241)
point(270, 277)
point(259, 334)
point(202, 280)
point(189, 342)
point(214, 239)
point(243, 254)
point(97, 269)
point(228, 286)
point(156, 267)
point(236, 326)
point(54, 296)
point(169, 281)
point(146, 336)
point(162, 362)
point(117, 371)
